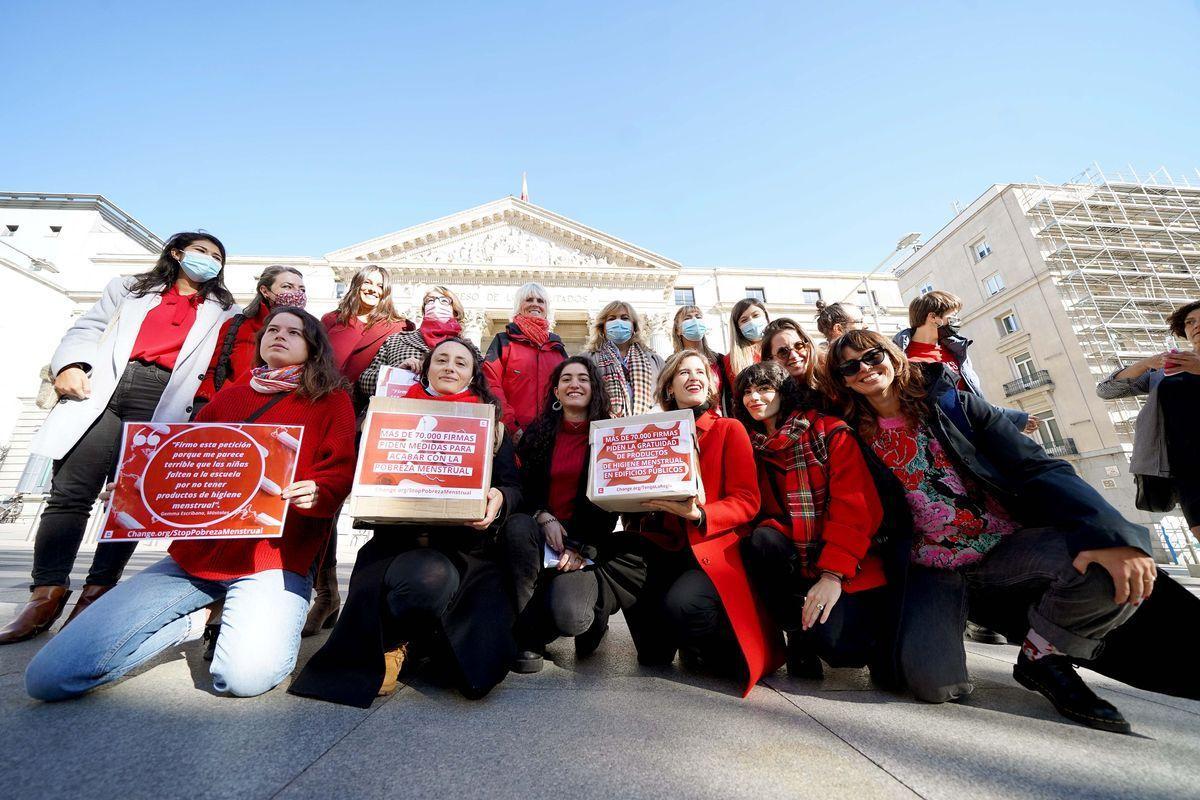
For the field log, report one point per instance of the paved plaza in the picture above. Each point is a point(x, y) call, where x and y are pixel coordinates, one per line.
point(603, 728)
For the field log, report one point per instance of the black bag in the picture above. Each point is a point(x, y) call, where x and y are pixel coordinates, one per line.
point(1155, 493)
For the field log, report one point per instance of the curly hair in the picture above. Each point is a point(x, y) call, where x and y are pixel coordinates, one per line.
point(479, 382)
point(662, 386)
point(538, 439)
point(1179, 316)
point(853, 407)
point(768, 373)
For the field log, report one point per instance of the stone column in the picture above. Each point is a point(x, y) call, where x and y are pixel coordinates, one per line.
point(474, 323)
point(660, 332)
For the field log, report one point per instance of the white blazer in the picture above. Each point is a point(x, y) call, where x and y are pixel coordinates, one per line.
point(104, 338)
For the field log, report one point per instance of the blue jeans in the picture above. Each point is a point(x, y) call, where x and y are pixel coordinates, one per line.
point(138, 619)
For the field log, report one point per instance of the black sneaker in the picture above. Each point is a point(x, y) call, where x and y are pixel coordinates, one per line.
point(978, 633)
point(801, 662)
point(528, 662)
point(1054, 677)
point(211, 631)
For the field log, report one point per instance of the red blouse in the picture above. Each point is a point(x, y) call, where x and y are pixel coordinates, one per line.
point(165, 329)
point(567, 462)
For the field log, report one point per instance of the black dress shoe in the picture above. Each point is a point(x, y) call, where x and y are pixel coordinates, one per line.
point(587, 642)
point(801, 662)
point(211, 631)
point(978, 633)
point(1055, 678)
point(528, 662)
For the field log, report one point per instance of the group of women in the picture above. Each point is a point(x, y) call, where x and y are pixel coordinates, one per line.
point(858, 508)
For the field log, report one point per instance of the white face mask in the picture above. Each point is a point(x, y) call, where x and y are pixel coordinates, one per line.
point(438, 312)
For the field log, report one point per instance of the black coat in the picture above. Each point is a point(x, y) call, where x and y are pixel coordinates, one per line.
point(473, 639)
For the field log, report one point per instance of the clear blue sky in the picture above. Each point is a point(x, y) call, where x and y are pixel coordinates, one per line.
point(789, 134)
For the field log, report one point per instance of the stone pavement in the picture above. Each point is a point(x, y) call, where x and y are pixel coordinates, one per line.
point(602, 728)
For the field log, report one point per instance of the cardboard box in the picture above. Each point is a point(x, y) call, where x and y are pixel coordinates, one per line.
point(423, 462)
point(647, 457)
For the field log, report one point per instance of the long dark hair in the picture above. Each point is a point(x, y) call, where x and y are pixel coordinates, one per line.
point(384, 310)
point(320, 376)
point(740, 347)
point(853, 407)
point(479, 382)
point(539, 436)
point(768, 373)
point(266, 281)
point(165, 272)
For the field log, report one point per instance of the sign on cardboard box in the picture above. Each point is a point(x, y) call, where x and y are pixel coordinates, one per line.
point(647, 457)
point(424, 461)
point(201, 480)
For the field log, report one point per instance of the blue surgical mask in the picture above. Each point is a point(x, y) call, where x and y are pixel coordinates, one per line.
point(753, 329)
point(619, 331)
point(199, 267)
point(693, 329)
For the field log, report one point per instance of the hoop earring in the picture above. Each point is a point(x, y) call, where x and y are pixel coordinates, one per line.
point(557, 406)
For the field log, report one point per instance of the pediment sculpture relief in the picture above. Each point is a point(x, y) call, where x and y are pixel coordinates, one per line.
point(507, 245)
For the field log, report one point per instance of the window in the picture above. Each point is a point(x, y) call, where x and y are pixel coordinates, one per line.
point(757, 292)
point(980, 249)
point(809, 297)
point(1023, 364)
point(926, 288)
point(1007, 323)
point(339, 289)
point(9, 230)
point(685, 296)
point(1048, 431)
point(994, 284)
point(55, 230)
point(864, 301)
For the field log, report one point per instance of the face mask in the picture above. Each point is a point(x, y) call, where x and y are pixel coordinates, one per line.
point(950, 328)
point(753, 330)
point(438, 312)
point(199, 267)
point(693, 329)
point(294, 299)
point(619, 331)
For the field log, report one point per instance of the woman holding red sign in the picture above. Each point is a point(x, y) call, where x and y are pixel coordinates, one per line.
point(566, 599)
point(697, 597)
point(265, 583)
point(439, 588)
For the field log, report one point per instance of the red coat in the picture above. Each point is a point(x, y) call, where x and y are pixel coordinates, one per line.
point(518, 373)
point(729, 473)
point(241, 357)
point(359, 355)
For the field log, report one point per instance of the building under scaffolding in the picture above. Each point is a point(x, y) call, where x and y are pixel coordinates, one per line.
point(1062, 284)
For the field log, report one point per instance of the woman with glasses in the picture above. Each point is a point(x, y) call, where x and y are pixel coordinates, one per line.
point(999, 531)
point(786, 343)
point(441, 318)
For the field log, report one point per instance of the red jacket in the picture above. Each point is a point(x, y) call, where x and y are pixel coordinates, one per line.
point(518, 373)
point(370, 340)
point(326, 456)
point(731, 501)
point(241, 357)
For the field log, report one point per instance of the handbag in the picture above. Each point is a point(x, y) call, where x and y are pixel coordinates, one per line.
point(1155, 493)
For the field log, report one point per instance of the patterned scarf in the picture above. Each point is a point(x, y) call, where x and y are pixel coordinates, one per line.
point(798, 451)
point(535, 329)
point(271, 380)
point(620, 375)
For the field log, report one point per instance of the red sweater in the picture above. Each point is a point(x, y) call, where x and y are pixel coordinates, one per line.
point(326, 456)
point(568, 460)
point(241, 357)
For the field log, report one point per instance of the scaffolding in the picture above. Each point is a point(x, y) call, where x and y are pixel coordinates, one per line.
point(1124, 252)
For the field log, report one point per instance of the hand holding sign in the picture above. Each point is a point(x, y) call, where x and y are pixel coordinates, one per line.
point(688, 509)
point(303, 494)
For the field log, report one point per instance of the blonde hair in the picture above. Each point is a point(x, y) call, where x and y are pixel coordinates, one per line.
point(597, 336)
point(680, 343)
point(434, 291)
point(666, 376)
point(535, 289)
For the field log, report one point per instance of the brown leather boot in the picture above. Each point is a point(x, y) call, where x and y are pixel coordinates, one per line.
point(393, 662)
point(90, 594)
point(46, 604)
point(326, 605)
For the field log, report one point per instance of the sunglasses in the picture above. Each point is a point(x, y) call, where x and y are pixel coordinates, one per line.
point(872, 358)
point(801, 347)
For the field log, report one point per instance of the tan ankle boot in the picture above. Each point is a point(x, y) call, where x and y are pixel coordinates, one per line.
point(90, 594)
point(326, 605)
point(46, 604)
point(393, 662)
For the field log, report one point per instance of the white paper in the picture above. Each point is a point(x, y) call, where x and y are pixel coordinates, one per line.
point(550, 558)
point(394, 381)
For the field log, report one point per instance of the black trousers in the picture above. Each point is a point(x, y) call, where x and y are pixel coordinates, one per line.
point(550, 603)
point(419, 585)
point(81, 474)
point(849, 638)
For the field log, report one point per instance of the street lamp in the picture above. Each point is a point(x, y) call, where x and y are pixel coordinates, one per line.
point(906, 241)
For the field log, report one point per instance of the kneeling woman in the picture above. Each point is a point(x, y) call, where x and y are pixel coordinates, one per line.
point(697, 598)
point(265, 583)
point(567, 599)
point(810, 555)
point(438, 587)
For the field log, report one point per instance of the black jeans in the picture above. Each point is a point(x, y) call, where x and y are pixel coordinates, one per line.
point(81, 474)
point(419, 585)
point(1029, 569)
point(549, 603)
point(847, 639)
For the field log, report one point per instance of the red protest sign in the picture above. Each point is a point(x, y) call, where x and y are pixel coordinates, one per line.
point(423, 455)
point(646, 457)
point(201, 480)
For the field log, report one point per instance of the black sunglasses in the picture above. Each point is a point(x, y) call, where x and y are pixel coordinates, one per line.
point(872, 358)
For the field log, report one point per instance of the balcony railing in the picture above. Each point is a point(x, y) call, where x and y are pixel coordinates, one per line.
point(1062, 447)
point(1027, 382)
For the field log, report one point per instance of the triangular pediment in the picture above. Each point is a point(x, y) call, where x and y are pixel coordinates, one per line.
point(507, 232)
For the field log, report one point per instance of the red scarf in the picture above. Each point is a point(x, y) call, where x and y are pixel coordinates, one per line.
point(434, 332)
point(535, 329)
point(418, 392)
point(282, 379)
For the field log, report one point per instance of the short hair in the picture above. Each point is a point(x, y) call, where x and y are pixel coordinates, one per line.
point(1179, 316)
point(667, 375)
point(455, 305)
point(534, 289)
point(935, 302)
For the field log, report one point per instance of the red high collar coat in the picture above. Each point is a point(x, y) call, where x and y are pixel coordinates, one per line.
point(518, 373)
